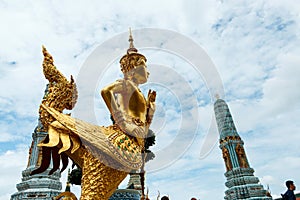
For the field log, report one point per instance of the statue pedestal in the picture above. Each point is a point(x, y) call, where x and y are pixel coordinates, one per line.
point(125, 194)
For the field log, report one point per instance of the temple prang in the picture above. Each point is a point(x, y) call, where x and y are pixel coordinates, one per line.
point(241, 182)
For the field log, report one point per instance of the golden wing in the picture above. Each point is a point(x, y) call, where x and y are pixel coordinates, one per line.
point(60, 94)
point(108, 144)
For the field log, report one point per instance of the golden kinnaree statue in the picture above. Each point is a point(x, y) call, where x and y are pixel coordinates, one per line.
point(105, 154)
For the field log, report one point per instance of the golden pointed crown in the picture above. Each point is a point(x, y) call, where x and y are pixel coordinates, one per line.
point(132, 58)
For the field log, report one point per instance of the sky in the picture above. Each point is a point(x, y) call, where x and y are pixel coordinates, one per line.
point(246, 51)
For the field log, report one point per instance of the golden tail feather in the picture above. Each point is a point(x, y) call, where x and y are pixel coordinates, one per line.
point(53, 138)
point(65, 138)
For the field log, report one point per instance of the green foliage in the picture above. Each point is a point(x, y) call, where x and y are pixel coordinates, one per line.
point(149, 141)
point(75, 176)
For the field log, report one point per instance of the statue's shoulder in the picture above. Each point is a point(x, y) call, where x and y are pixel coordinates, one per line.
point(125, 83)
point(120, 86)
point(122, 82)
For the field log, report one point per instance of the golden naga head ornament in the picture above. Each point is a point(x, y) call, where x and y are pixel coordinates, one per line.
point(132, 58)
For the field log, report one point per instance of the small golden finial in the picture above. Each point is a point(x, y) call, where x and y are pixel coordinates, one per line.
point(217, 96)
point(131, 46)
point(130, 39)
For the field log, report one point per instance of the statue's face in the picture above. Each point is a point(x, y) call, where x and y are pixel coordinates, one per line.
point(141, 74)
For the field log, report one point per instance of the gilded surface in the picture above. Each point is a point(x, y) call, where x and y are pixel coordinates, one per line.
point(240, 152)
point(129, 62)
point(105, 142)
point(99, 181)
point(227, 159)
point(65, 196)
point(106, 154)
point(62, 94)
point(228, 138)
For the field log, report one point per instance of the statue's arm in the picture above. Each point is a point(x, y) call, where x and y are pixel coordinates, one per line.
point(150, 107)
point(108, 94)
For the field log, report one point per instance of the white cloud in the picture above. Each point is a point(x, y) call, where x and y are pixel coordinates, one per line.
point(12, 163)
point(6, 137)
